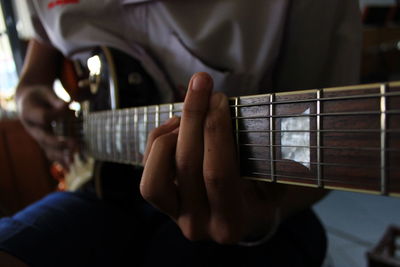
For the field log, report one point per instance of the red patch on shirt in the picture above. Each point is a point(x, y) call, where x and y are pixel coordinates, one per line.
point(53, 4)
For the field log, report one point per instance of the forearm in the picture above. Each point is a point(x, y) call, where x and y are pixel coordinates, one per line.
point(40, 67)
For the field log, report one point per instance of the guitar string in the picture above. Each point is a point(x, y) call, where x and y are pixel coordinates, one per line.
point(150, 121)
point(311, 147)
point(366, 183)
point(298, 162)
point(310, 179)
point(331, 114)
point(179, 111)
point(328, 181)
point(344, 131)
point(372, 149)
point(329, 164)
point(296, 131)
point(351, 97)
point(298, 179)
point(323, 131)
point(291, 115)
point(106, 113)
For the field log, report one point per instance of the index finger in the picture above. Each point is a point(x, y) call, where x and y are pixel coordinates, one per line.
point(189, 151)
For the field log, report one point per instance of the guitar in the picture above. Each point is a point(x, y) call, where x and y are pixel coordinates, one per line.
point(344, 138)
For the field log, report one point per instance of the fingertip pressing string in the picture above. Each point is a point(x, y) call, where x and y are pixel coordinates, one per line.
point(274, 228)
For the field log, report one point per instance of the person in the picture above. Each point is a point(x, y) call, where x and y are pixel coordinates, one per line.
point(209, 216)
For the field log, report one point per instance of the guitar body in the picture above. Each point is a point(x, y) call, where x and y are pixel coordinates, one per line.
point(121, 83)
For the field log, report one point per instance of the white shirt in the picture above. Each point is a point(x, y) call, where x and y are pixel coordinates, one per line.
point(248, 47)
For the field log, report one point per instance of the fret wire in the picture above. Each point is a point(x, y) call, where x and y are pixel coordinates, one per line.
point(237, 99)
point(271, 136)
point(105, 136)
point(355, 113)
point(132, 141)
point(171, 107)
point(117, 137)
point(104, 145)
point(319, 170)
point(316, 163)
point(135, 129)
point(127, 143)
point(384, 189)
point(146, 126)
point(326, 147)
point(109, 133)
point(157, 116)
point(113, 135)
point(311, 179)
point(121, 131)
point(314, 99)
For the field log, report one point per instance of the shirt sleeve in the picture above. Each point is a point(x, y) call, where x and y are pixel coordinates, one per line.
point(39, 31)
point(321, 45)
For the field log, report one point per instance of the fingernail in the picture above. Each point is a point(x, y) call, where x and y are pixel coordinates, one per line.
point(200, 81)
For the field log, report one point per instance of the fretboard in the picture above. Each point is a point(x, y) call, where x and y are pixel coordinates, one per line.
point(336, 138)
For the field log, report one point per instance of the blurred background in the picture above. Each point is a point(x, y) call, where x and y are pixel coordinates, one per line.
point(355, 223)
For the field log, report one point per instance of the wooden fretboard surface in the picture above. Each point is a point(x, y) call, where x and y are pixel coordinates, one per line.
point(341, 138)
